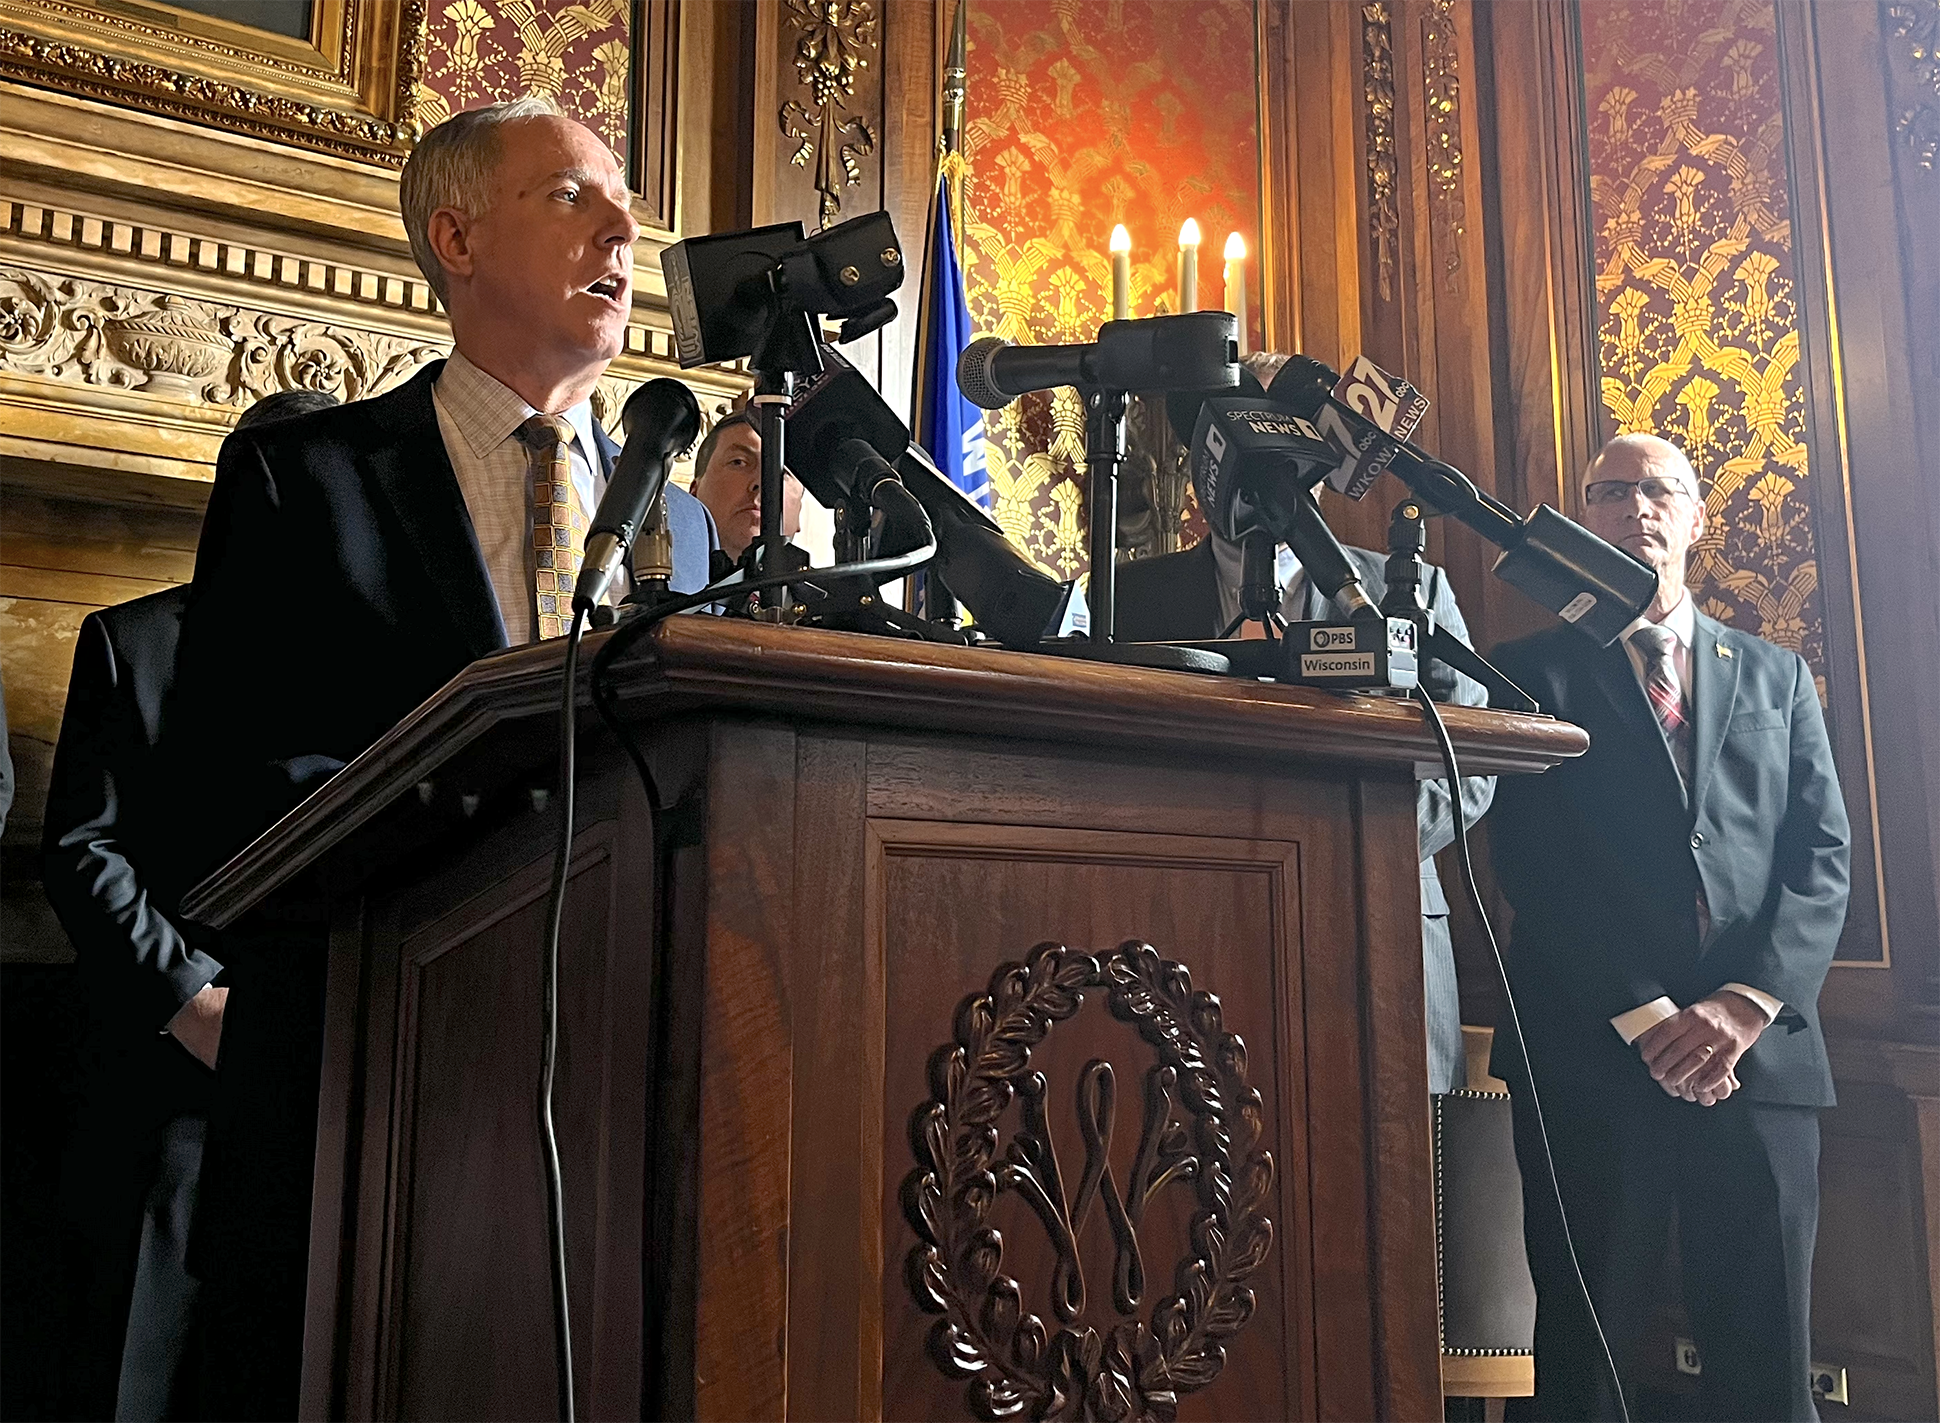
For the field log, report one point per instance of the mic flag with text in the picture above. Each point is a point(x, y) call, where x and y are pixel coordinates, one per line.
point(948, 426)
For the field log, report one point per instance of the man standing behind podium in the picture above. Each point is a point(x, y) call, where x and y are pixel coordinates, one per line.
point(1678, 892)
point(1196, 594)
point(351, 563)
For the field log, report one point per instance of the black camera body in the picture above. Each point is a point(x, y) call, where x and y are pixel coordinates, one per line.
point(728, 292)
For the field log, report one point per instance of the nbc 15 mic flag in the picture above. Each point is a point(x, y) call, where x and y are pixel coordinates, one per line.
point(947, 425)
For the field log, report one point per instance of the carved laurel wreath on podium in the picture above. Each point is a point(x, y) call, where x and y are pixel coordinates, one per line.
point(1137, 1370)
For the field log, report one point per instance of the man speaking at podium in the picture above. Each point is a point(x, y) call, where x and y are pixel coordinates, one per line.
point(352, 562)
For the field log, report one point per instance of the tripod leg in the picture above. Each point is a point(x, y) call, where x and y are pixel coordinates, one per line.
point(1443, 646)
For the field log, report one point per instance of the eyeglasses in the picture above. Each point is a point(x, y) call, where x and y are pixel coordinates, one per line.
point(1615, 491)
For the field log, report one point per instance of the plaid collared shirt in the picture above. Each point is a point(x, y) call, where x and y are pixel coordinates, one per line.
point(479, 420)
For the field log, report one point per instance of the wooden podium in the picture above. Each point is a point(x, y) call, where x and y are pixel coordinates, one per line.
point(865, 1069)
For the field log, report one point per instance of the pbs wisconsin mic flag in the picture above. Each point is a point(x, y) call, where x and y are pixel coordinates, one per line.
point(947, 425)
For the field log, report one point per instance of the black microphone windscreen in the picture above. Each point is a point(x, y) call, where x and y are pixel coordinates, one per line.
point(1302, 385)
point(1182, 406)
point(663, 404)
point(838, 405)
point(661, 419)
point(974, 377)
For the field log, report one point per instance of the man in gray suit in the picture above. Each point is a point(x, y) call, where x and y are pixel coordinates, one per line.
point(1190, 596)
point(1679, 890)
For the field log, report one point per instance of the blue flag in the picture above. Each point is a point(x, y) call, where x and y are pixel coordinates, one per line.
point(947, 425)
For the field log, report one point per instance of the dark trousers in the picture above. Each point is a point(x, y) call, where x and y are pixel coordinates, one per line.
point(130, 1348)
point(1741, 1180)
point(252, 1232)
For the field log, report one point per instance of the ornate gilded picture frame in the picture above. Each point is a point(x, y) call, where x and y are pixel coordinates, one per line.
point(347, 89)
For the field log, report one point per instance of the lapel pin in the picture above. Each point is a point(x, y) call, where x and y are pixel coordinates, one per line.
point(1723, 651)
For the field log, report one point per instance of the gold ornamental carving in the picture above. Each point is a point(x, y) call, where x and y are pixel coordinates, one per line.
point(351, 92)
point(833, 42)
point(1441, 83)
point(85, 333)
point(1377, 117)
point(1915, 28)
point(1200, 1129)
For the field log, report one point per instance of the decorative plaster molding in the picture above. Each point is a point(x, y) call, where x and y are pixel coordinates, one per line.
point(168, 244)
point(187, 351)
point(356, 98)
point(247, 273)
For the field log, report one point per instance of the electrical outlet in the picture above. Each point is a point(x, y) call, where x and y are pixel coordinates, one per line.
point(1686, 1354)
point(1829, 1382)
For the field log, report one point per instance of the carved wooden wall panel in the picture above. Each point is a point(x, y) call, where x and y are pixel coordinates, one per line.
point(868, 856)
point(1871, 1299)
point(845, 99)
point(1091, 890)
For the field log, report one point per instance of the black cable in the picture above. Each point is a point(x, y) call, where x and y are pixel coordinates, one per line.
point(1434, 718)
point(629, 631)
point(562, 1337)
point(633, 627)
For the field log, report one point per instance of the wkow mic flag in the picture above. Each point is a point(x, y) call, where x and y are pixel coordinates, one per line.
point(948, 426)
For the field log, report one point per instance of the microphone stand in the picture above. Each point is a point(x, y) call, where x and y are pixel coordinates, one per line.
point(772, 392)
point(1407, 541)
point(1259, 589)
point(1104, 453)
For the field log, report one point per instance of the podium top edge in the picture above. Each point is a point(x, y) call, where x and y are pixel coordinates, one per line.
point(700, 664)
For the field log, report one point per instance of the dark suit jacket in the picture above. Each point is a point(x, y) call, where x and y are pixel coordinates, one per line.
point(1602, 857)
point(108, 815)
point(1175, 598)
point(6, 766)
point(338, 583)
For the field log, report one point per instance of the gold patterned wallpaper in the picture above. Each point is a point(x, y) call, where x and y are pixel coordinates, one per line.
point(1081, 114)
point(1697, 326)
point(483, 51)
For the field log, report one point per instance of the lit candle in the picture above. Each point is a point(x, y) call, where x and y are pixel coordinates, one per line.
point(1189, 266)
point(1121, 273)
point(1236, 284)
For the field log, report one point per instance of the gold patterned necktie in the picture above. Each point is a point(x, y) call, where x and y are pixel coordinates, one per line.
point(558, 523)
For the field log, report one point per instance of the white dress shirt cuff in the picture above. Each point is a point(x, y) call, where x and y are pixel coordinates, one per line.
point(1640, 1020)
point(1765, 1003)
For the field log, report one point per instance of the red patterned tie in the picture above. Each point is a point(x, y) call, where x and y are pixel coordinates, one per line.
point(1660, 677)
point(1666, 695)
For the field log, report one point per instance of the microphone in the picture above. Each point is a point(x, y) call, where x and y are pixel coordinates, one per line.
point(1595, 586)
point(853, 440)
point(837, 407)
point(905, 524)
point(1254, 467)
point(1196, 351)
point(661, 419)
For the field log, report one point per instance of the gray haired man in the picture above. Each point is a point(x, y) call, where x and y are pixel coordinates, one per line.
point(406, 535)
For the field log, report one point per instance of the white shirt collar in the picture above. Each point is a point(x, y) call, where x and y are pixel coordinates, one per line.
point(1680, 621)
point(1229, 560)
point(488, 412)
